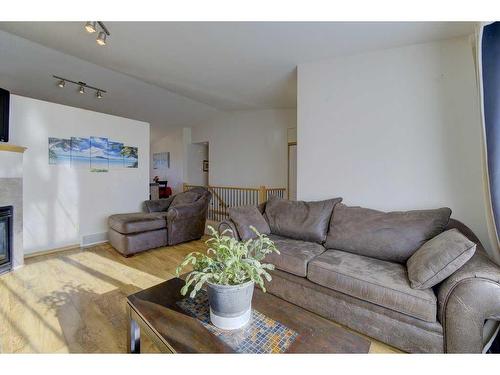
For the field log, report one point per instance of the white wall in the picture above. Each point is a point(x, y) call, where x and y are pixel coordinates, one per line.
point(171, 140)
point(64, 204)
point(247, 148)
point(196, 153)
point(394, 129)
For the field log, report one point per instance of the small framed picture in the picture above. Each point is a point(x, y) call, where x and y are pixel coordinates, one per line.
point(205, 165)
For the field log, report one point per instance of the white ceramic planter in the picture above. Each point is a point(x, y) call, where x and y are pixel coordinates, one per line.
point(230, 305)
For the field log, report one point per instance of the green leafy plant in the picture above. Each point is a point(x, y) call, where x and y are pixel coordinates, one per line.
point(229, 262)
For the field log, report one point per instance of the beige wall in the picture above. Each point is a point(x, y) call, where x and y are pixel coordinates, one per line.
point(63, 205)
point(247, 148)
point(170, 140)
point(395, 129)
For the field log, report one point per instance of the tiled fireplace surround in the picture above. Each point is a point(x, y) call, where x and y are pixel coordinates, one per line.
point(11, 194)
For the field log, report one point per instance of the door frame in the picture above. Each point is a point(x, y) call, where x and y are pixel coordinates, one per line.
point(288, 168)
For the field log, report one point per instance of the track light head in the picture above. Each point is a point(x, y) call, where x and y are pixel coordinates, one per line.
point(91, 27)
point(81, 86)
point(101, 38)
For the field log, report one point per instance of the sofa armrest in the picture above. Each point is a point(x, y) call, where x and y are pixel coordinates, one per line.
point(228, 224)
point(466, 299)
point(158, 205)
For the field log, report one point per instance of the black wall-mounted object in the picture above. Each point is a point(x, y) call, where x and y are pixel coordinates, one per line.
point(4, 115)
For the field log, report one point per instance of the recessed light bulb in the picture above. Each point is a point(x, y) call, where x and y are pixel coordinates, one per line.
point(82, 90)
point(61, 83)
point(99, 95)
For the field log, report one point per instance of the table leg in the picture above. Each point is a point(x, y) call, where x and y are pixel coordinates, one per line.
point(134, 337)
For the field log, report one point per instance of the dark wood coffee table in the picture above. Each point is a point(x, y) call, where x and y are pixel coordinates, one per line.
point(154, 312)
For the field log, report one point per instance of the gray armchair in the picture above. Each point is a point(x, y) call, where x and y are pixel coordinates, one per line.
point(185, 213)
point(170, 221)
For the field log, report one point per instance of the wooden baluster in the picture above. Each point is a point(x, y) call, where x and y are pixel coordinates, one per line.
point(262, 194)
point(225, 203)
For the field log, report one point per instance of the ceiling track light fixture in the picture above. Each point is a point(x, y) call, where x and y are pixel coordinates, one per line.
point(92, 27)
point(81, 86)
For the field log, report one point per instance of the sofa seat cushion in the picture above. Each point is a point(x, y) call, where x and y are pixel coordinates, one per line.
point(306, 221)
point(294, 254)
point(137, 222)
point(380, 282)
point(392, 236)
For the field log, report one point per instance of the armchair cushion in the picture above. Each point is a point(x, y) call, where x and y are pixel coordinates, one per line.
point(184, 198)
point(136, 222)
point(438, 258)
point(306, 221)
point(245, 216)
point(392, 236)
point(185, 211)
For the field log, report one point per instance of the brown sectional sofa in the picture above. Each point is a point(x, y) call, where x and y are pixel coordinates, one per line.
point(348, 264)
point(180, 218)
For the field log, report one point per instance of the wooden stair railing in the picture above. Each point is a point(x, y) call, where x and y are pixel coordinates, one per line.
point(224, 197)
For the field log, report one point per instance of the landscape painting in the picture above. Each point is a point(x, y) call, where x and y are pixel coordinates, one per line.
point(115, 155)
point(59, 151)
point(99, 161)
point(161, 160)
point(130, 157)
point(80, 152)
point(98, 154)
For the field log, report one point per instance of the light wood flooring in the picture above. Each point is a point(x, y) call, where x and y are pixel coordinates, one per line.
point(74, 301)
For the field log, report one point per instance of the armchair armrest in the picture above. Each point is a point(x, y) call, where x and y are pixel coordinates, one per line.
point(228, 224)
point(466, 300)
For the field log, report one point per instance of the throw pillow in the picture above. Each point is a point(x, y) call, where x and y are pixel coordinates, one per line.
point(438, 258)
point(245, 216)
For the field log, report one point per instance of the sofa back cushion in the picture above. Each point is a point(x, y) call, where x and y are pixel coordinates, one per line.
point(392, 236)
point(306, 221)
point(245, 216)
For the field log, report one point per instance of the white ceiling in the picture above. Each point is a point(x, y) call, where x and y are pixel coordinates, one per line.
point(157, 66)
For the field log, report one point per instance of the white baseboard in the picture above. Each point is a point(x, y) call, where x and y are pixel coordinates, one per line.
point(94, 239)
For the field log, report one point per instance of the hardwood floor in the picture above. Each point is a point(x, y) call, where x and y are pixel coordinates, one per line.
point(74, 301)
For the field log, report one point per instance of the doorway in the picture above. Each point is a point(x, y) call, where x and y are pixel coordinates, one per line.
point(292, 171)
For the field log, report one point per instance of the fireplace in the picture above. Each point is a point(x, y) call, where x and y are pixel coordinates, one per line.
point(6, 224)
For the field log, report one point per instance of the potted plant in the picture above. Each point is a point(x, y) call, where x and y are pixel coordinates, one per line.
point(229, 269)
